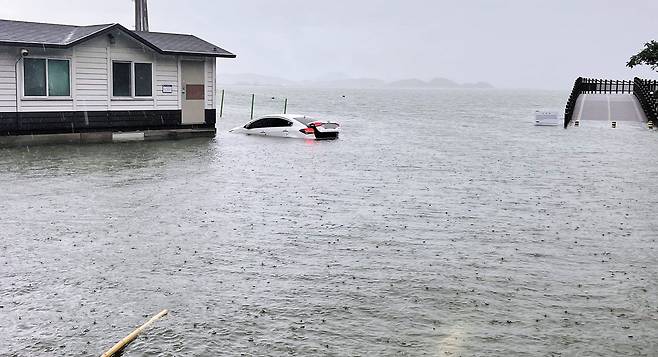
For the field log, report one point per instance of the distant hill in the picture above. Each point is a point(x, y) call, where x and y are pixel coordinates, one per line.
point(409, 83)
point(250, 79)
point(443, 83)
point(349, 83)
point(436, 83)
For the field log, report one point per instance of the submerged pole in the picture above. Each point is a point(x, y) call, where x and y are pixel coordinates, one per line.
point(221, 106)
point(133, 335)
point(285, 106)
point(253, 98)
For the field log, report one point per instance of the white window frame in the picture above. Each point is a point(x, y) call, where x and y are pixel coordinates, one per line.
point(132, 80)
point(47, 96)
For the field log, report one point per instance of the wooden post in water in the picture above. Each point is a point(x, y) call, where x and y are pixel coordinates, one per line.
point(221, 106)
point(253, 98)
point(133, 335)
point(285, 106)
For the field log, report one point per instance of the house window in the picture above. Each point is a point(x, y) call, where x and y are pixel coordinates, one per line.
point(131, 79)
point(121, 79)
point(143, 80)
point(46, 77)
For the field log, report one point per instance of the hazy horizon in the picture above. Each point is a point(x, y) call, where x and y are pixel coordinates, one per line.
point(510, 44)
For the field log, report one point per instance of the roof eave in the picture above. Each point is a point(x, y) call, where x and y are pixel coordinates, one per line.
point(99, 32)
point(200, 54)
point(32, 44)
point(140, 39)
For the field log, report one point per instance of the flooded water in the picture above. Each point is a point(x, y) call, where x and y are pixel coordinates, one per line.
point(442, 223)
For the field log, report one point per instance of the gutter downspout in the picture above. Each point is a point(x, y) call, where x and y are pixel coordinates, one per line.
point(16, 80)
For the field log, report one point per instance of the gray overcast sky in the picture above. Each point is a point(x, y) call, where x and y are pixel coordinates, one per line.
point(514, 43)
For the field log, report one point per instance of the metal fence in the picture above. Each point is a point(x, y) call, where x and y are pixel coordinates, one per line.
point(645, 91)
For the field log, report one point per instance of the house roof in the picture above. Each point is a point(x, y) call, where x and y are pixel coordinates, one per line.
point(178, 43)
point(20, 33)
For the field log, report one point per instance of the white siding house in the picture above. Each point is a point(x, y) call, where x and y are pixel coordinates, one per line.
point(59, 78)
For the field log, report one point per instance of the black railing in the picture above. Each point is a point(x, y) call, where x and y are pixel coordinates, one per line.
point(645, 91)
point(606, 86)
point(571, 103)
point(594, 86)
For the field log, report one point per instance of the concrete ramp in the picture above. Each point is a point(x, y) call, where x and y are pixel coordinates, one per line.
point(608, 108)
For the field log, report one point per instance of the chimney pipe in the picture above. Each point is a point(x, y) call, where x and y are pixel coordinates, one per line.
point(141, 16)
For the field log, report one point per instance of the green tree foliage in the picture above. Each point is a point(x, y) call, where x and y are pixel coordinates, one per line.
point(648, 56)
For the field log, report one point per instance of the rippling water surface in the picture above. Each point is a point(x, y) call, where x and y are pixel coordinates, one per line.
point(442, 223)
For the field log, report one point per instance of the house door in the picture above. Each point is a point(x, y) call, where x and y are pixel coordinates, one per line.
point(193, 92)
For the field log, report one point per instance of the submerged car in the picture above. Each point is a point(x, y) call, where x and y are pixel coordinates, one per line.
point(290, 126)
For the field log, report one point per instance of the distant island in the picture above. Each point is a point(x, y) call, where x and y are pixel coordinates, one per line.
point(248, 79)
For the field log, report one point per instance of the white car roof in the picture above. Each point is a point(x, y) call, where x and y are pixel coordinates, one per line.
point(285, 116)
point(290, 117)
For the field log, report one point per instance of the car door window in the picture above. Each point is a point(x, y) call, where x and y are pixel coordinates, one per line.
point(262, 123)
point(279, 123)
point(269, 123)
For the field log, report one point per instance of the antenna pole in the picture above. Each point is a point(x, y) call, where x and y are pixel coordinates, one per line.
point(138, 7)
point(146, 16)
point(141, 15)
